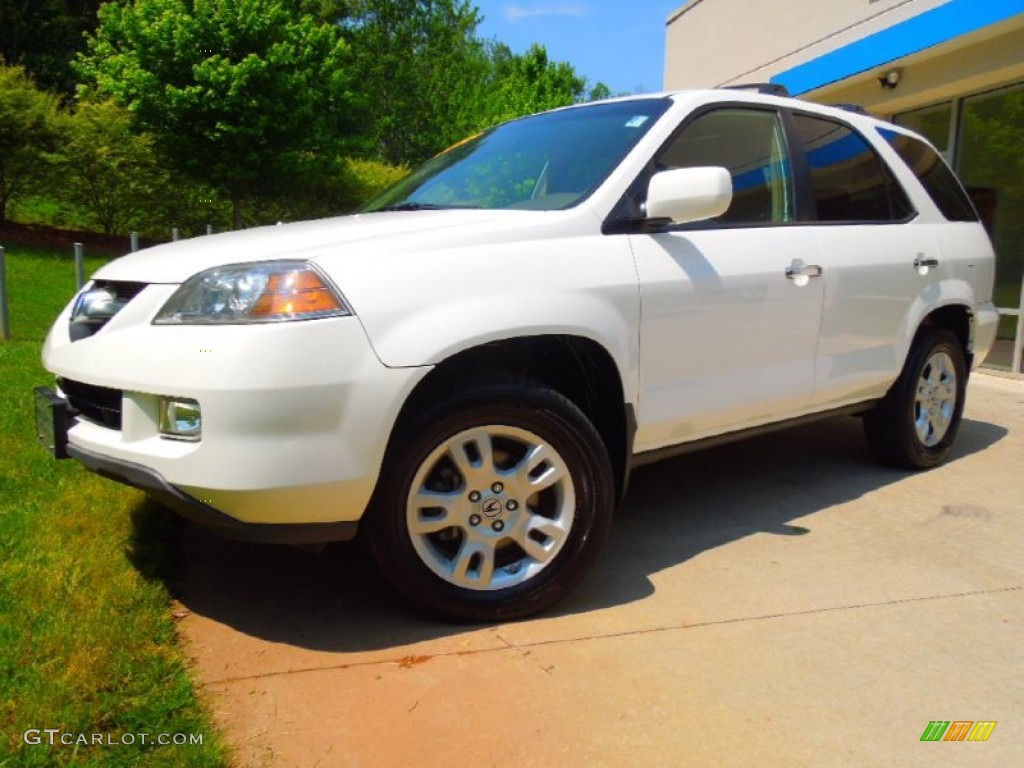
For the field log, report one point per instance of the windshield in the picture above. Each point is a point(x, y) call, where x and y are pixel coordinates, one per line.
point(543, 162)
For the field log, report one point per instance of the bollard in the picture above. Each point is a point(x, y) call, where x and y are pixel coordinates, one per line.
point(135, 241)
point(174, 234)
point(79, 265)
point(5, 319)
point(209, 229)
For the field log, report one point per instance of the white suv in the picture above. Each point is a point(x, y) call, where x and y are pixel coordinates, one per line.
point(469, 368)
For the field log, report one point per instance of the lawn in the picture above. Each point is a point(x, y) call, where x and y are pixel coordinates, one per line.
point(87, 640)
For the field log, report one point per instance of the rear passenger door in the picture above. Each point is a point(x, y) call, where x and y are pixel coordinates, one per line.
point(871, 249)
point(730, 307)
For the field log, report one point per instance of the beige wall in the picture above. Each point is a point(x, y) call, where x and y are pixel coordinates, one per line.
point(977, 62)
point(724, 42)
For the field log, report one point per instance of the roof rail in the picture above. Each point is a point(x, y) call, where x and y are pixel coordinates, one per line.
point(771, 89)
point(856, 108)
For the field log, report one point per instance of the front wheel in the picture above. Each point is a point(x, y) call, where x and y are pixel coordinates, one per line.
point(915, 425)
point(493, 505)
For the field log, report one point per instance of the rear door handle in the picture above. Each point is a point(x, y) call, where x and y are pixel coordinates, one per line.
point(923, 262)
point(799, 269)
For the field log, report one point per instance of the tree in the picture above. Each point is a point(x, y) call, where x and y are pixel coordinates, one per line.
point(109, 170)
point(531, 82)
point(29, 134)
point(44, 36)
point(417, 63)
point(235, 92)
point(599, 92)
point(428, 80)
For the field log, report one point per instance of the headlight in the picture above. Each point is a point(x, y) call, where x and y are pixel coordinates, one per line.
point(263, 292)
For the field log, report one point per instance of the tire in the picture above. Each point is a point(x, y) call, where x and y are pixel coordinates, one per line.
point(915, 425)
point(494, 504)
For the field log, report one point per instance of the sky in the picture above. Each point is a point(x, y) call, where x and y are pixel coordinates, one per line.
point(620, 43)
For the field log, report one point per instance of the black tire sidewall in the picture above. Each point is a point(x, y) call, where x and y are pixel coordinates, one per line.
point(894, 431)
point(536, 409)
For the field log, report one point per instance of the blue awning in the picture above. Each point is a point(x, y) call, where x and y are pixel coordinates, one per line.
point(934, 27)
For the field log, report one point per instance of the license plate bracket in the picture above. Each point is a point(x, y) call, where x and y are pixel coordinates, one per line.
point(53, 418)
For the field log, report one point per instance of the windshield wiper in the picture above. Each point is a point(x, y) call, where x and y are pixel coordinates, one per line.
point(410, 206)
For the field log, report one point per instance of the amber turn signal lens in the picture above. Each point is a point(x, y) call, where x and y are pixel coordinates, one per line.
point(295, 294)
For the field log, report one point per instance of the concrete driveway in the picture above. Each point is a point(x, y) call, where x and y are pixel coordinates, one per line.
point(778, 602)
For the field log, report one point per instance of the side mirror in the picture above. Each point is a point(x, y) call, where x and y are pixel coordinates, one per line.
point(689, 194)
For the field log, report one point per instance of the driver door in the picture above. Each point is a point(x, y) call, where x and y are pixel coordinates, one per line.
point(730, 307)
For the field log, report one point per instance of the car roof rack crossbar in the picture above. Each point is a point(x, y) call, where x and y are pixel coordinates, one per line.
point(857, 108)
point(771, 89)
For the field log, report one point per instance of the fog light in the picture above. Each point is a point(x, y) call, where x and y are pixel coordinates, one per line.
point(180, 419)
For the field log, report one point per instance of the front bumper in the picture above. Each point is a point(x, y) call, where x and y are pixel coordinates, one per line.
point(296, 416)
point(159, 489)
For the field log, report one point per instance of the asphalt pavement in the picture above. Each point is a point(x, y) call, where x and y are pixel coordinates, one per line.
point(778, 602)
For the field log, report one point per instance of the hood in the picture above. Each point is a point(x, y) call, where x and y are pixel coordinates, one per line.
point(373, 233)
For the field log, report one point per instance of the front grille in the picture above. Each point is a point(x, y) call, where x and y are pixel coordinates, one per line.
point(99, 304)
point(100, 405)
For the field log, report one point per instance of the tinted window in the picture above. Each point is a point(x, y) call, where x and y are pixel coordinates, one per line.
point(934, 175)
point(751, 145)
point(542, 162)
point(849, 180)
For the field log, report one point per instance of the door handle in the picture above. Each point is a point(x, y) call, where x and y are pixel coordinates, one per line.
point(799, 269)
point(923, 262)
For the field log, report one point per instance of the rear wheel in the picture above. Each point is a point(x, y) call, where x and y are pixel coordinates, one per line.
point(494, 505)
point(915, 426)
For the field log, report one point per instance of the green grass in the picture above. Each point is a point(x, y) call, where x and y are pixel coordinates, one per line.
point(87, 642)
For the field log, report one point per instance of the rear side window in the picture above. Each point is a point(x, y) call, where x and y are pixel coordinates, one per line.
point(935, 176)
point(850, 181)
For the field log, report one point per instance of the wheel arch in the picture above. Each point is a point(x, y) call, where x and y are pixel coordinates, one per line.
point(958, 320)
point(577, 367)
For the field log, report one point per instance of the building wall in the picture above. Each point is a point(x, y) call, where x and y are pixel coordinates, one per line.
point(985, 59)
point(724, 42)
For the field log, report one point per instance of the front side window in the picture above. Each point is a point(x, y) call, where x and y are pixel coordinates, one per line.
point(542, 162)
point(751, 145)
point(850, 182)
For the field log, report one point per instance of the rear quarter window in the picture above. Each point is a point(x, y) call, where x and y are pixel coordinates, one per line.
point(935, 176)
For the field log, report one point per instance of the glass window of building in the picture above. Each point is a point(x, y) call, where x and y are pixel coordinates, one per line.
point(991, 164)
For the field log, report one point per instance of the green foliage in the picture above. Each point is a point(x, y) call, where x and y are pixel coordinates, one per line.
point(109, 170)
point(367, 178)
point(29, 134)
point(43, 36)
point(598, 92)
point(233, 91)
point(261, 102)
point(326, 187)
point(416, 61)
point(531, 82)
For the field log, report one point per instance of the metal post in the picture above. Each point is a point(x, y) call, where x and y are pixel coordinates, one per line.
point(5, 320)
point(79, 265)
point(174, 233)
point(209, 229)
point(1018, 336)
point(135, 241)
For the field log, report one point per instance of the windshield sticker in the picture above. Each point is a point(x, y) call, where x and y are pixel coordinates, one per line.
point(637, 121)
